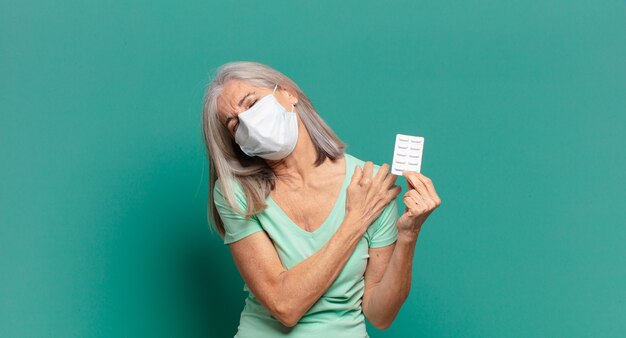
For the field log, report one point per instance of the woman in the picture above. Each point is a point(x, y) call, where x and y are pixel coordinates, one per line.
point(313, 230)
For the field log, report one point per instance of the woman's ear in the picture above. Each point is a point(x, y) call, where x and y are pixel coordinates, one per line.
point(292, 95)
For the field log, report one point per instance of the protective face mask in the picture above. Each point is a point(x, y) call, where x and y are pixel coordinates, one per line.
point(267, 130)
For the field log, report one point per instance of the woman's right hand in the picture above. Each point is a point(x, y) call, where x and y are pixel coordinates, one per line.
point(367, 196)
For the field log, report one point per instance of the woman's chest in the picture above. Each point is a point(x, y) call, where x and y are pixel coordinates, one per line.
point(307, 209)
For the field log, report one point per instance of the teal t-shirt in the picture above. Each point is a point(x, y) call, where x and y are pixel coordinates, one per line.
point(338, 312)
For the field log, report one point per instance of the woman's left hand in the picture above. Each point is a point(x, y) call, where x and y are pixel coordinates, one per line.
point(421, 200)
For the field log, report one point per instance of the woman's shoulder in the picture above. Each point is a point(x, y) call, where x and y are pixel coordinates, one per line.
point(233, 184)
point(353, 161)
point(220, 184)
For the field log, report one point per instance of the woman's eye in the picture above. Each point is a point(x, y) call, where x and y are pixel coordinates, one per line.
point(252, 104)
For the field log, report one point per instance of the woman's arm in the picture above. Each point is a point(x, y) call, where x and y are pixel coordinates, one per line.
point(288, 294)
point(388, 280)
point(384, 298)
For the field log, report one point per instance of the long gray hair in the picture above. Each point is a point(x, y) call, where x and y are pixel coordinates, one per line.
point(226, 159)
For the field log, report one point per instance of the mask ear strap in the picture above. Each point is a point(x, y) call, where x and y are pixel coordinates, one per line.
point(275, 89)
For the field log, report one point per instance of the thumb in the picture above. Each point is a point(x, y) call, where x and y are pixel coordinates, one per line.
point(409, 182)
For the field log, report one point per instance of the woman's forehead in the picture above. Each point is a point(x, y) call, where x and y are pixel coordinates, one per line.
point(232, 93)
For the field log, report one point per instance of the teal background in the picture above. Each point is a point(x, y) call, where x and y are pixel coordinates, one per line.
point(103, 194)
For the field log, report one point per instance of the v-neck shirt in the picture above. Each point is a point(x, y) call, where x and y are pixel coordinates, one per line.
point(328, 218)
point(338, 312)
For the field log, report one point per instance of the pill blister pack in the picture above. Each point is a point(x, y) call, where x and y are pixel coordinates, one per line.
point(407, 154)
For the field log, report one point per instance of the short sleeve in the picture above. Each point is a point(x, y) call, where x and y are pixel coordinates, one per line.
point(385, 230)
point(236, 226)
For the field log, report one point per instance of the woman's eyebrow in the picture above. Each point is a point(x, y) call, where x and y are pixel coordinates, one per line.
point(242, 99)
point(233, 115)
point(230, 117)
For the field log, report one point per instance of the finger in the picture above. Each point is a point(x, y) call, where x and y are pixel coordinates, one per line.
point(390, 180)
point(438, 200)
point(366, 179)
point(356, 176)
point(411, 206)
point(416, 180)
point(381, 173)
point(428, 183)
point(412, 180)
point(433, 195)
point(431, 188)
point(393, 192)
point(412, 177)
point(421, 191)
point(423, 199)
point(367, 170)
point(419, 200)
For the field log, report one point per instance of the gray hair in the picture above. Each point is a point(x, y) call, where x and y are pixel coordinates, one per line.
point(226, 159)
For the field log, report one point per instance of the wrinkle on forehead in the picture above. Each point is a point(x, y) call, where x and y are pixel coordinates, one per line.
point(232, 92)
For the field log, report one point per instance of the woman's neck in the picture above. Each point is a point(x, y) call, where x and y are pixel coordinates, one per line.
point(297, 169)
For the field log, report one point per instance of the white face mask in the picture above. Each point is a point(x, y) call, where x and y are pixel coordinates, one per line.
point(267, 130)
